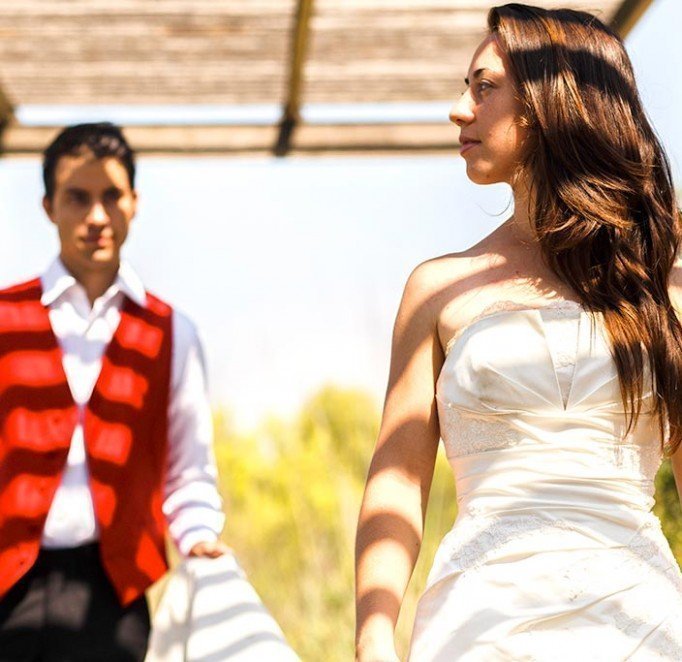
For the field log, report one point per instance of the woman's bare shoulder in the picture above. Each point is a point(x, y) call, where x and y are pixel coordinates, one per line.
point(437, 277)
point(432, 287)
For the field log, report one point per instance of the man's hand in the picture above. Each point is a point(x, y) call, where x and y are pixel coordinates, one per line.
point(211, 550)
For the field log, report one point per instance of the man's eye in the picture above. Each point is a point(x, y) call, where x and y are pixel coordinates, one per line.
point(78, 197)
point(112, 196)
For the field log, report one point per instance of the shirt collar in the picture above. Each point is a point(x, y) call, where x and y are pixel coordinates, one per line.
point(131, 284)
point(57, 280)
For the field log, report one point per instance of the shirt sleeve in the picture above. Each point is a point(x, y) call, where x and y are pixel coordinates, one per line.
point(192, 503)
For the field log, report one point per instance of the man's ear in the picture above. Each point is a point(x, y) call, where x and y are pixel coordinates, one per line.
point(47, 206)
point(135, 200)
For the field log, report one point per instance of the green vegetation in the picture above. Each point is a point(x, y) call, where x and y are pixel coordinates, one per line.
point(292, 493)
point(668, 508)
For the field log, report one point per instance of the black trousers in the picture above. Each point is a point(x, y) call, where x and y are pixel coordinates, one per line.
point(65, 610)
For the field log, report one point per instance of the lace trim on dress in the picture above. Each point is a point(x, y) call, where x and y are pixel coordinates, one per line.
point(479, 535)
point(507, 305)
point(464, 433)
point(648, 544)
point(562, 333)
point(476, 537)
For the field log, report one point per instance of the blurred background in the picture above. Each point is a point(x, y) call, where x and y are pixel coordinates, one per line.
point(295, 164)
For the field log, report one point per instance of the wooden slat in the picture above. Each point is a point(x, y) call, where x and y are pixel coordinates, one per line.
point(17, 140)
point(383, 137)
point(328, 139)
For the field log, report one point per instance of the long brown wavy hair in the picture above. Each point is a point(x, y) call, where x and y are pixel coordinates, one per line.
point(603, 200)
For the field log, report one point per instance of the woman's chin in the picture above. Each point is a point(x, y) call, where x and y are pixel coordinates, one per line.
point(483, 175)
point(479, 177)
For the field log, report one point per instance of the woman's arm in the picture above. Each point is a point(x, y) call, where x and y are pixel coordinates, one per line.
point(393, 508)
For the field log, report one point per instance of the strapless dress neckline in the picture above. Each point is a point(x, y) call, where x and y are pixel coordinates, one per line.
point(561, 307)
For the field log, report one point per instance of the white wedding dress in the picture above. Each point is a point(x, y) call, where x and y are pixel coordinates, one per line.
point(555, 554)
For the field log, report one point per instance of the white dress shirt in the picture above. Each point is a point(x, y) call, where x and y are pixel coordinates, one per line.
point(192, 505)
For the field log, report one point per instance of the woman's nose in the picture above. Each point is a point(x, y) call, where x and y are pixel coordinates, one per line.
point(462, 112)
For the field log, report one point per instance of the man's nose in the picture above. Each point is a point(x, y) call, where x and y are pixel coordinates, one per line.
point(462, 111)
point(98, 214)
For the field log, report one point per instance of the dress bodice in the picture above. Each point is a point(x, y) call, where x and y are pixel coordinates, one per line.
point(536, 390)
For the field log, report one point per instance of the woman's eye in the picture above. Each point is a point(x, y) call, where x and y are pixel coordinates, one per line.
point(483, 86)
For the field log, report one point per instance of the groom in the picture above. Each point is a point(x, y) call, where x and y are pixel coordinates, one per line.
point(105, 426)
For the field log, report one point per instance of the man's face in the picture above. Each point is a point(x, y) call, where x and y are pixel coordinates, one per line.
point(92, 207)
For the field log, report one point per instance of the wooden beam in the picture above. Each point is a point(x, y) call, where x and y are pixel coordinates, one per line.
point(406, 138)
point(180, 140)
point(628, 14)
point(6, 115)
point(299, 48)
point(6, 110)
point(327, 140)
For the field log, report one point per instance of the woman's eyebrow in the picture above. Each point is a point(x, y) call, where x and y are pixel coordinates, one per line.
point(476, 74)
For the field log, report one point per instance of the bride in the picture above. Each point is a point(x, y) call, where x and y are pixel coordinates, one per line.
point(548, 358)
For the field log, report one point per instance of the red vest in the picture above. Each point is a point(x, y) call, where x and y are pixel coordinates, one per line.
point(125, 428)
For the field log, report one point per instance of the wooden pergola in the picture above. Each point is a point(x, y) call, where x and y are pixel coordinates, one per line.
point(287, 54)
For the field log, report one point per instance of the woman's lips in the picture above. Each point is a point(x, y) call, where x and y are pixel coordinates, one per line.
point(467, 145)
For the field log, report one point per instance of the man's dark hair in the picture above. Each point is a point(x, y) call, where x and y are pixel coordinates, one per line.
point(103, 139)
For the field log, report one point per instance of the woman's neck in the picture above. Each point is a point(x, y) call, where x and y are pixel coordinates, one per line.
point(520, 224)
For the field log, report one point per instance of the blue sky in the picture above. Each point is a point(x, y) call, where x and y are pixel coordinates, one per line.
point(293, 269)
